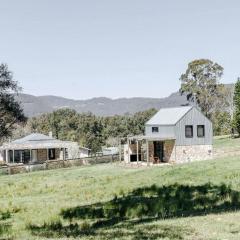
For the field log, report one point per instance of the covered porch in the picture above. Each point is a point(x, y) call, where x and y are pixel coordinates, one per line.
point(150, 150)
point(28, 155)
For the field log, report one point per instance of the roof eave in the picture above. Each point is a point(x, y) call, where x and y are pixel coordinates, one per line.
point(150, 124)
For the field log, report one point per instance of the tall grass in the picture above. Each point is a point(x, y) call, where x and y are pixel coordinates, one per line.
point(146, 199)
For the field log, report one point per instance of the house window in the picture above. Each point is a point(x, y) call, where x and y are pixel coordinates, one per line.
point(17, 156)
point(200, 131)
point(10, 156)
point(189, 131)
point(66, 153)
point(26, 156)
point(155, 129)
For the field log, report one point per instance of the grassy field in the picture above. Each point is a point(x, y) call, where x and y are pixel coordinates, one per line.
point(192, 201)
point(226, 143)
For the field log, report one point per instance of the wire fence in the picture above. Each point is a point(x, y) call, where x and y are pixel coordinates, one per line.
point(92, 160)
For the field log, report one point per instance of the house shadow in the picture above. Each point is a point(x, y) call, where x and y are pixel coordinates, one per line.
point(142, 205)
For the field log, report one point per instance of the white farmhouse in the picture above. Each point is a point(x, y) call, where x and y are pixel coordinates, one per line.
point(38, 148)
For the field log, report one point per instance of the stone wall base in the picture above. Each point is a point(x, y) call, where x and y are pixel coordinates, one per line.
point(175, 154)
point(185, 154)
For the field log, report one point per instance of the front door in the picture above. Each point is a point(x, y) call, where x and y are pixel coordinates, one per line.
point(51, 154)
point(159, 150)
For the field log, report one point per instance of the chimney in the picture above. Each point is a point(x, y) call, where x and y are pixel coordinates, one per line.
point(50, 134)
point(195, 99)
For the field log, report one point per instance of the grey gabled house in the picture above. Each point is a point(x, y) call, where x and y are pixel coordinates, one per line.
point(180, 134)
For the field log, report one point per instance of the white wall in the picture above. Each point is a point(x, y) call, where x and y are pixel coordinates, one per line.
point(1, 156)
point(166, 131)
point(84, 153)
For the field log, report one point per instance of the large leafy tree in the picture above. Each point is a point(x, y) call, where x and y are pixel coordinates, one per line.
point(201, 83)
point(11, 112)
point(236, 99)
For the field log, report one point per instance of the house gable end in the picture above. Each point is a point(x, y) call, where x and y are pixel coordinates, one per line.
point(193, 118)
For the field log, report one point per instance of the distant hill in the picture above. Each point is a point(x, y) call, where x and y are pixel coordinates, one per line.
point(34, 106)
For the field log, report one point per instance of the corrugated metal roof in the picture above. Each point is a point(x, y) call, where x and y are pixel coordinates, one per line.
point(169, 116)
point(34, 137)
point(151, 138)
point(35, 140)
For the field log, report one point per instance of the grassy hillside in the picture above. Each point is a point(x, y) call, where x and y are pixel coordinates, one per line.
point(193, 201)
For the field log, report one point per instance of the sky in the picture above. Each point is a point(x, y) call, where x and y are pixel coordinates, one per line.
point(82, 49)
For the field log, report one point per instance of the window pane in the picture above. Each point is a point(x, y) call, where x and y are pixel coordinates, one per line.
point(10, 156)
point(189, 131)
point(200, 131)
point(17, 156)
point(154, 129)
point(66, 153)
point(26, 156)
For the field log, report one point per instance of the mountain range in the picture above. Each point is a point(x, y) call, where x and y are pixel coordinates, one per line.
point(37, 105)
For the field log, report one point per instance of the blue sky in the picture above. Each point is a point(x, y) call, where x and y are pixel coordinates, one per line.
point(115, 48)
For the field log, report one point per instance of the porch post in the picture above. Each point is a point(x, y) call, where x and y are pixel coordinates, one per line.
point(147, 151)
point(47, 154)
point(7, 156)
point(137, 152)
point(175, 151)
point(128, 151)
point(120, 151)
point(13, 156)
point(30, 155)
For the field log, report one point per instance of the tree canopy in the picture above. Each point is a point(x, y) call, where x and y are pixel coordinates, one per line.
point(11, 112)
point(236, 99)
point(202, 81)
point(87, 129)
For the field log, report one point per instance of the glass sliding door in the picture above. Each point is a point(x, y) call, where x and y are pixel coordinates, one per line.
point(26, 156)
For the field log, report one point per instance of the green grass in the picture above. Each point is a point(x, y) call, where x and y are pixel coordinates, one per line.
point(226, 142)
point(192, 201)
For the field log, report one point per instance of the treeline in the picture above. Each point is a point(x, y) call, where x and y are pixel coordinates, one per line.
point(94, 132)
point(200, 83)
point(87, 129)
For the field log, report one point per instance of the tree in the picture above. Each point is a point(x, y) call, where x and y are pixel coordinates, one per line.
point(11, 112)
point(94, 137)
point(87, 129)
point(222, 123)
point(236, 100)
point(201, 81)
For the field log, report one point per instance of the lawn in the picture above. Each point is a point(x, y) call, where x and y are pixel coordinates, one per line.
point(226, 142)
point(193, 201)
